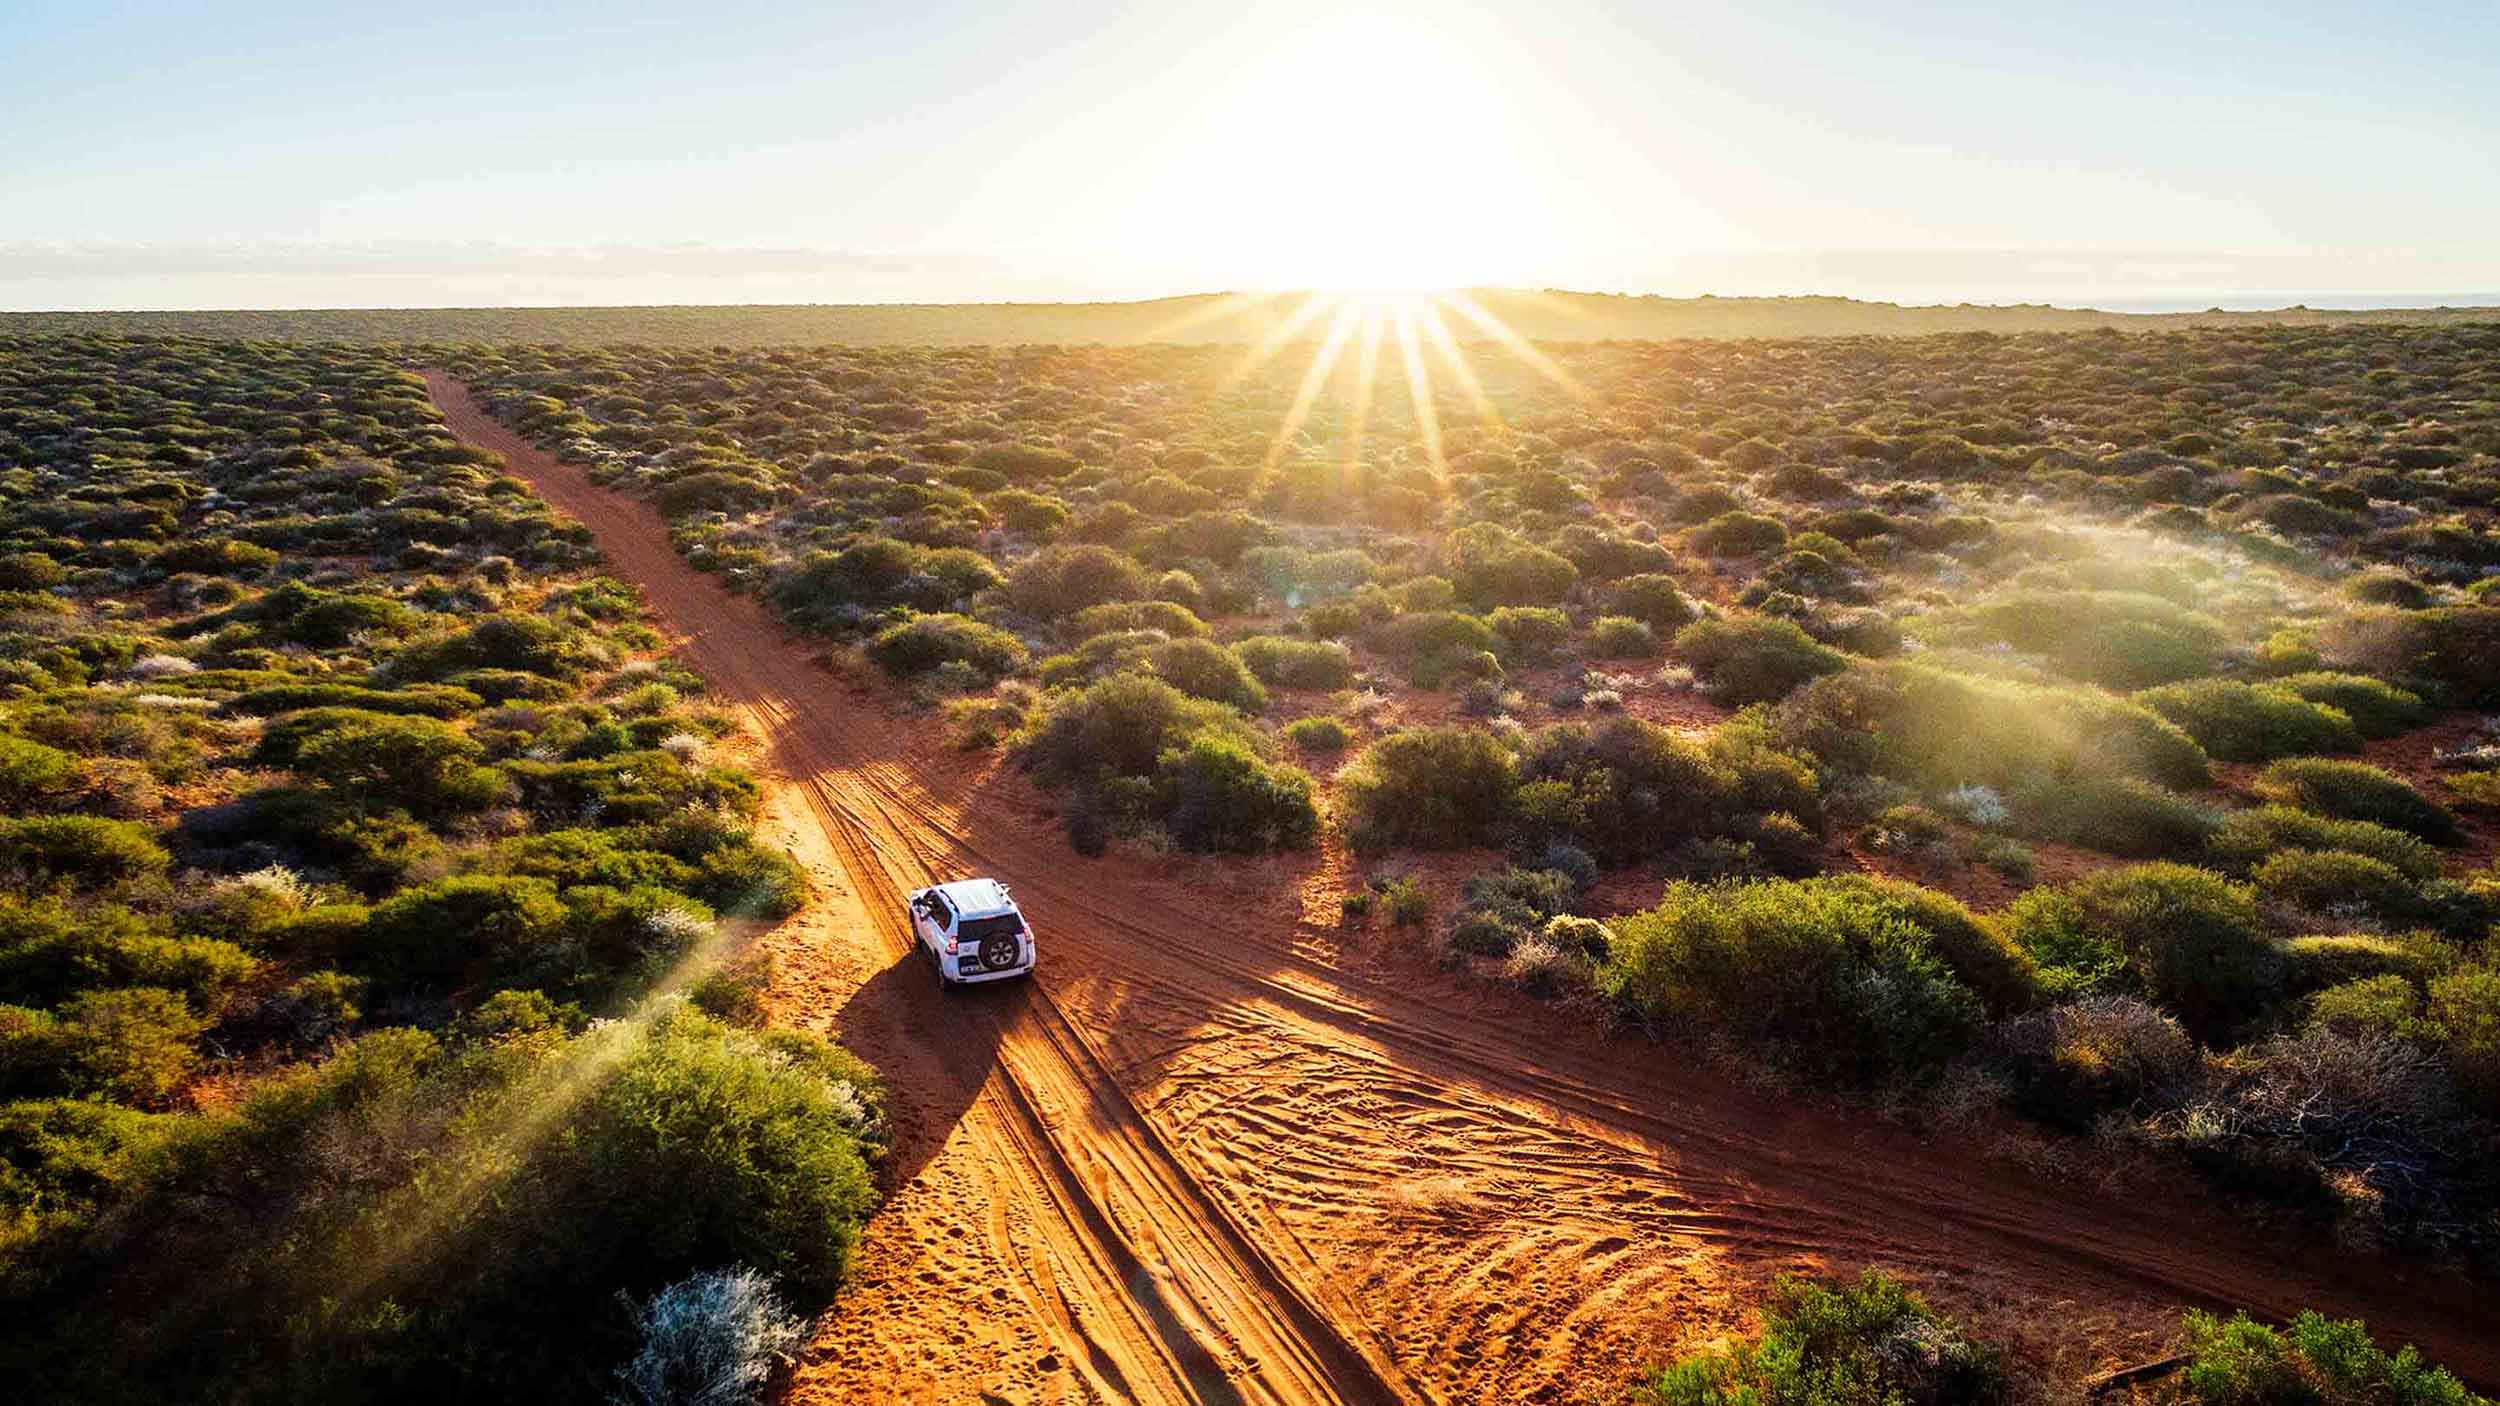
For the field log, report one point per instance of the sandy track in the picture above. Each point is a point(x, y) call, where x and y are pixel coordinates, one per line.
point(1210, 1157)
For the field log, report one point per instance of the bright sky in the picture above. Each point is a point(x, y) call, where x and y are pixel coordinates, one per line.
point(293, 153)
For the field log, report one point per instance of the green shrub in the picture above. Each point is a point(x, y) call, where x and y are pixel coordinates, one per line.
point(746, 880)
point(1318, 734)
point(1872, 1343)
point(2071, 1063)
point(1975, 948)
point(50, 951)
point(1530, 633)
point(1175, 620)
point(1280, 662)
point(1433, 788)
point(1653, 599)
point(1622, 637)
point(2449, 649)
point(132, 1044)
point(77, 851)
point(1205, 669)
point(1214, 794)
point(2191, 939)
point(1628, 790)
point(2376, 707)
point(422, 700)
point(417, 764)
point(2321, 960)
point(1493, 568)
point(924, 643)
point(34, 776)
point(2316, 1361)
point(1120, 726)
point(1060, 581)
point(1833, 979)
point(62, 1160)
point(1937, 729)
point(522, 643)
point(439, 934)
point(2118, 638)
point(2116, 815)
point(2240, 722)
point(1425, 643)
point(1754, 659)
point(2247, 838)
point(1739, 534)
point(2357, 791)
point(2327, 881)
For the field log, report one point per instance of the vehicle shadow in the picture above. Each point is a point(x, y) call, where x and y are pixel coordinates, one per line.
point(949, 1038)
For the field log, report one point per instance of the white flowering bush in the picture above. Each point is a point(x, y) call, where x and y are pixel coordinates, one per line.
point(711, 1339)
point(1977, 805)
point(162, 666)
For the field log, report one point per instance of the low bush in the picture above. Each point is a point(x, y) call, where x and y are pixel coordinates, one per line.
point(1280, 662)
point(2357, 791)
point(1530, 634)
point(924, 643)
point(1214, 794)
point(1872, 1343)
point(1754, 659)
point(2188, 937)
point(2247, 838)
point(1318, 734)
point(1739, 534)
point(2116, 815)
point(2314, 1361)
point(2339, 885)
point(1173, 619)
point(1622, 637)
point(1433, 788)
point(2376, 707)
point(2120, 639)
point(2072, 1062)
point(34, 776)
point(1060, 581)
point(2240, 722)
point(1120, 726)
point(1205, 669)
point(76, 851)
point(1653, 599)
point(712, 1339)
point(2320, 960)
point(1835, 980)
point(420, 765)
point(1938, 729)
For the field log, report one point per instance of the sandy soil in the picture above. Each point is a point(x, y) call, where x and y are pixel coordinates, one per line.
point(1224, 1151)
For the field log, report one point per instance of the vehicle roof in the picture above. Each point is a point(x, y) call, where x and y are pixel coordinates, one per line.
point(977, 898)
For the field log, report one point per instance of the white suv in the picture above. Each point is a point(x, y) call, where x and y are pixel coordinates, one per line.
point(972, 930)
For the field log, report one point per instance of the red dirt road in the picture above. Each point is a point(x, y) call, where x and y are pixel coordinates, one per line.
point(1216, 1153)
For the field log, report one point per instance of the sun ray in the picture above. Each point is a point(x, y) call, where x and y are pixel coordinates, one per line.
point(1516, 345)
point(1419, 391)
point(1323, 361)
point(1277, 336)
point(1366, 376)
point(1454, 357)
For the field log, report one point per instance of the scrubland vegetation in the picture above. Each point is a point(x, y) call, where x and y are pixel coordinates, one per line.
point(1875, 1341)
point(2082, 737)
point(2152, 675)
point(360, 1032)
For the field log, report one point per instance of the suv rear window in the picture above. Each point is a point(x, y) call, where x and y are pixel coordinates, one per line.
point(975, 929)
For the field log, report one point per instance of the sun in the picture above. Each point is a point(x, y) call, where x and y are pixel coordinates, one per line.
point(1369, 155)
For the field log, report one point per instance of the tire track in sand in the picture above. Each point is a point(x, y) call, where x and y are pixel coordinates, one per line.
point(1472, 1210)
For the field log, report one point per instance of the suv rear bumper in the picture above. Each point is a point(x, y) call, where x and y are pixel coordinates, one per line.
point(978, 973)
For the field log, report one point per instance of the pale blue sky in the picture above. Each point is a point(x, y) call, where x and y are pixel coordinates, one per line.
point(294, 153)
